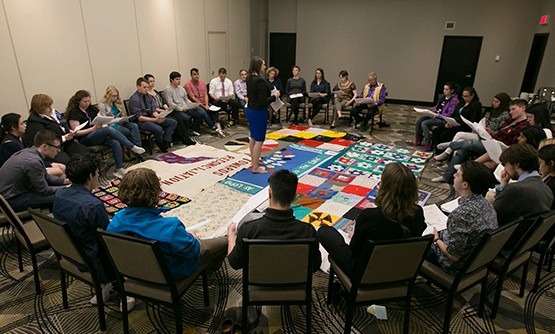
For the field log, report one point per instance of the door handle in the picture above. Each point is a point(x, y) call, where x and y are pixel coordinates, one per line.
point(468, 75)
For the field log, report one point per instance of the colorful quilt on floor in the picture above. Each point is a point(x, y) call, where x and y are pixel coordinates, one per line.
point(108, 194)
point(296, 158)
point(331, 198)
point(315, 137)
point(367, 158)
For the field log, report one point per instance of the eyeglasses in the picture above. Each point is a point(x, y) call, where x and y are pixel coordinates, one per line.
point(467, 96)
point(59, 147)
point(114, 95)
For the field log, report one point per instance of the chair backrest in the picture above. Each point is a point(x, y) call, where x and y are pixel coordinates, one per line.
point(278, 262)
point(61, 239)
point(488, 247)
point(15, 222)
point(534, 234)
point(136, 258)
point(126, 105)
point(390, 261)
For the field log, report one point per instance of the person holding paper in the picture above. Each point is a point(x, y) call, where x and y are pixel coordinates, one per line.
point(183, 110)
point(444, 107)
point(467, 149)
point(241, 88)
point(261, 96)
point(221, 91)
point(42, 116)
point(272, 74)
point(183, 251)
point(111, 105)
point(499, 111)
point(143, 106)
point(375, 91)
point(529, 198)
point(396, 216)
point(295, 88)
point(467, 223)
point(198, 93)
point(344, 93)
point(79, 111)
point(469, 108)
point(322, 87)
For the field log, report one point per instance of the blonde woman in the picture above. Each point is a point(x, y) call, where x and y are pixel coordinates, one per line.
point(111, 105)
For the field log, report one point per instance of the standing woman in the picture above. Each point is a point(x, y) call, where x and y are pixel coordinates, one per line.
point(111, 105)
point(260, 97)
point(397, 215)
point(318, 85)
point(79, 110)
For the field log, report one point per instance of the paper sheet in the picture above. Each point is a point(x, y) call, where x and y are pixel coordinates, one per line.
point(479, 128)
point(451, 121)
point(226, 98)
point(163, 114)
point(359, 100)
point(214, 108)
point(80, 126)
point(338, 93)
point(434, 218)
point(294, 96)
point(494, 149)
point(425, 112)
point(450, 206)
point(315, 94)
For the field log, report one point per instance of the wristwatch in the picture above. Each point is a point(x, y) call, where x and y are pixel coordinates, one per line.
point(436, 240)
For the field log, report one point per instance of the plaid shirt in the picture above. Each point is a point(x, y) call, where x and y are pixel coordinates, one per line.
point(510, 130)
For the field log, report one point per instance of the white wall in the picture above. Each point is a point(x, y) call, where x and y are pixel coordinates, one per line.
point(402, 40)
point(57, 47)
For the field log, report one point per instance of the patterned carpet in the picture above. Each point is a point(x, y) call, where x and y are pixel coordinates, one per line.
point(21, 311)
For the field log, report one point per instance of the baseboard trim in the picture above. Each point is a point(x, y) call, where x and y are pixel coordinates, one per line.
point(411, 102)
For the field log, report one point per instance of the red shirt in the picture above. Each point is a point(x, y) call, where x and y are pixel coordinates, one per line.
point(508, 133)
point(198, 90)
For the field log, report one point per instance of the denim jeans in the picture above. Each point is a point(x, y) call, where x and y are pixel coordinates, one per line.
point(131, 131)
point(423, 126)
point(31, 200)
point(198, 114)
point(163, 132)
point(464, 150)
point(110, 137)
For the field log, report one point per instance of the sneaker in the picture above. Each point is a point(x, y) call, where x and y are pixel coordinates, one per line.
point(441, 157)
point(137, 149)
point(195, 133)
point(119, 173)
point(220, 133)
point(439, 179)
point(443, 146)
point(130, 304)
point(107, 294)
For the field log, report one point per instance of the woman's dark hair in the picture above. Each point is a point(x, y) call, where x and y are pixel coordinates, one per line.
point(9, 122)
point(541, 115)
point(547, 154)
point(344, 73)
point(452, 86)
point(74, 101)
point(534, 135)
point(256, 65)
point(321, 71)
point(472, 92)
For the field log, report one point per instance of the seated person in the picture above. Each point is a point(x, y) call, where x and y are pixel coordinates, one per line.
point(12, 128)
point(240, 86)
point(372, 90)
point(272, 74)
point(466, 224)
point(444, 107)
point(529, 198)
point(469, 108)
point(277, 223)
point(112, 105)
point(547, 167)
point(143, 106)
point(344, 95)
point(499, 111)
point(538, 115)
point(184, 252)
point(396, 216)
point(474, 148)
point(295, 85)
point(79, 110)
point(25, 182)
point(84, 213)
point(222, 94)
point(318, 85)
point(176, 97)
point(42, 116)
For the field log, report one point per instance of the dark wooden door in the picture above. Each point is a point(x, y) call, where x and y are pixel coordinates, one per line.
point(283, 48)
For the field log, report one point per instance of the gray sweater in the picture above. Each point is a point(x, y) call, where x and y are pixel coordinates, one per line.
point(24, 172)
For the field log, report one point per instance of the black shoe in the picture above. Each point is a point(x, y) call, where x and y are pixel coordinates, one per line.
point(363, 127)
point(139, 157)
point(163, 147)
point(189, 141)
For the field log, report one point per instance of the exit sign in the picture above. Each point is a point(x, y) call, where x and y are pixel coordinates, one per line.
point(544, 19)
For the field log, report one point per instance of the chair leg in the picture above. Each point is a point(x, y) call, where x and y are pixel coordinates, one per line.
point(349, 316)
point(550, 258)
point(205, 289)
point(100, 306)
point(330, 287)
point(35, 273)
point(19, 255)
point(483, 296)
point(64, 289)
point(309, 316)
point(124, 313)
point(539, 271)
point(406, 318)
point(523, 279)
point(447, 316)
point(245, 316)
point(177, 314)
point(497, 296)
